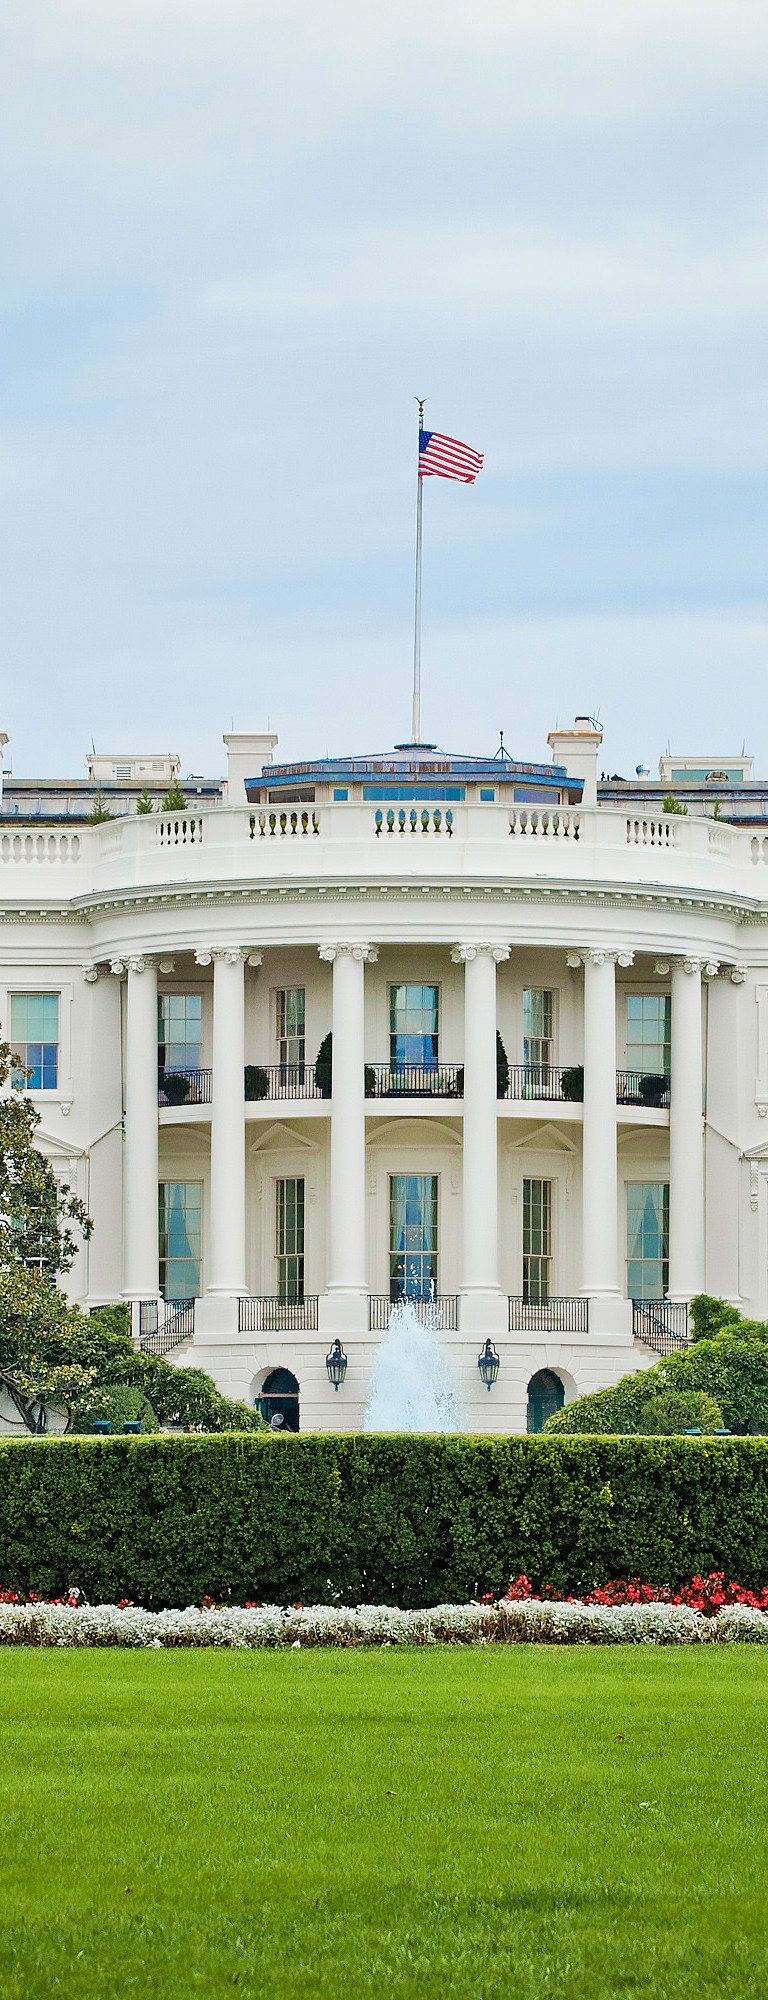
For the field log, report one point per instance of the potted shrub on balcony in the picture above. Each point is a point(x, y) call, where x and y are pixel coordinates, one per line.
point(256, 1083)
point(572, 1084)
point(653, 1090)
point(175, 1087)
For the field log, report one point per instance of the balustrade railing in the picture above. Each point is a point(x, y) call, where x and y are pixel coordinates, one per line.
point(661, 1323)
point(545, 823)
point(427, 820)
point(548, 1315)
point(638, 1087)
point(267, 1314)
point(414, 1080)
point(544, 1080)
point(441, 1311)
point(269, 1080)
point(184, 1086)
point(165, 1323)
point(283, 825)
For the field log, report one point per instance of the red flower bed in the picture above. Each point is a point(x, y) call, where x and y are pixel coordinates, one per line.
point(709, 1594)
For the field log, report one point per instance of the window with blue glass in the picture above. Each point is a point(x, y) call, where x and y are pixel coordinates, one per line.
point(179, 1031)
point(180, 1217)
point(35, 1040)
point(647, 1239)
point(413, 1027)
point(413, 1203)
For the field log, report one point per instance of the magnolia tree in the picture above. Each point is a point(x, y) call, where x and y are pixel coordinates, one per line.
point(52, 1356)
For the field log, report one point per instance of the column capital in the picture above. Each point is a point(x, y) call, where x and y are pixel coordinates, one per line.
point(708, 968)
point(139, 961)
point(463, 954)
point(737, 974)
point(366, 954)
point(90, 973)
point(230, 953)
point(599, 955)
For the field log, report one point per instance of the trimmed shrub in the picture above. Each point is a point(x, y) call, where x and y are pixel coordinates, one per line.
point(675, 1411)
point(388, 1520)
point(256, 1083)
point(710, 1316)
point(572, 1084)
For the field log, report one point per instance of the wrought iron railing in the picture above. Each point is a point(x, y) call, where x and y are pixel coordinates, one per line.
point(543, 1080)
point(164, 1323)
point(184, 1086)
point(283, 1080)
point(638, 1087)
point(661, 1323)
point(442, 1310)
point(414, 1080)
point(272, 1315)
point(548, 1315)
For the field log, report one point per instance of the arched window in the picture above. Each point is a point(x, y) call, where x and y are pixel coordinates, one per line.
point(280, 1398)
point(545, 1395)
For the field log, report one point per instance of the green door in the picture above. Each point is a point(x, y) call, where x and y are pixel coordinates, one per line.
point(545, 1395)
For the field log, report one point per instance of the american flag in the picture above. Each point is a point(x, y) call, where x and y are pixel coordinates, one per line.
point(445, 458)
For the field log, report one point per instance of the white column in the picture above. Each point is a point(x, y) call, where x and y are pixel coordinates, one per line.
point(600, 1248)
point(140, 1266)
point(480, 1199)
point(226, 1259)
point(346, 1263)
point(686, 1132)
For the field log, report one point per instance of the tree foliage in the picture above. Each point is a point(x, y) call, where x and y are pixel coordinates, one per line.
point(53, 1356)
point(728, 1368)
point(36, 1215)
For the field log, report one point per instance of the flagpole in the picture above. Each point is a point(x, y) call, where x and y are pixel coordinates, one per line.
point(416, 711)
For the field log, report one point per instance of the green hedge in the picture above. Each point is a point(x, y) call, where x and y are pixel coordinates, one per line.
point(399, 1520)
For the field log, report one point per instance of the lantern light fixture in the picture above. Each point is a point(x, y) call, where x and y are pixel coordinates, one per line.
point(488, 1364)
point(336, 1364)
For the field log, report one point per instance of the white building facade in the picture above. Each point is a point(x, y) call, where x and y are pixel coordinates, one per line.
point(541, 1112)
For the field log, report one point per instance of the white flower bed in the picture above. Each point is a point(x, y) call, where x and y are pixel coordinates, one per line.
point(535, 1621)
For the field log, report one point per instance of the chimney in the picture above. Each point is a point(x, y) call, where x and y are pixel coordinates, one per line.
point(577, 749)
point(246, 758)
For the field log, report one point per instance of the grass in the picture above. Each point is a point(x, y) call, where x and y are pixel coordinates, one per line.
point(578, 1823)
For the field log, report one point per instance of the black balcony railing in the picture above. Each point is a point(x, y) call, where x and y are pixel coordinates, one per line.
point(661, 1323)
point(414, 1080)
point(441, 1311)
point(164, 1323)
point(548, 1315)
point(268, 1314)
point(184, 1086)
point(283, 1080)
point(545, 1080)
point(649, 1090)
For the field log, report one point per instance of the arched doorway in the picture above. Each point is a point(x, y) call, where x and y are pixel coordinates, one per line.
point(280, 1398)
point(545, 1395)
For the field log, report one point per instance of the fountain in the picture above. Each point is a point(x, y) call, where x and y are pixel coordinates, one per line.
point(412, 1388)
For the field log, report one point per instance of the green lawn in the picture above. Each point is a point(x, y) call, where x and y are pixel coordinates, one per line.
point(575, 1822)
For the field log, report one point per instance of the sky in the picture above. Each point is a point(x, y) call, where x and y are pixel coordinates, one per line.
point(239, 238)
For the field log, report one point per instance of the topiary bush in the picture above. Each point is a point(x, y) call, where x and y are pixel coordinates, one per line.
point(256, 1083)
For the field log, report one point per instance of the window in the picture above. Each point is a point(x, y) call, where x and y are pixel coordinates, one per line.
point(649, 1033)
point(537, 1239)
point(290, 1028)
point(179, 1031)
point(289, 1238)
point(538, 1020)
point(413, 1236)
point(647, 1239)
point(341, 794)
point(413, 1026)
point(35, 1040)
point(181, 1238)
point(487, 793)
